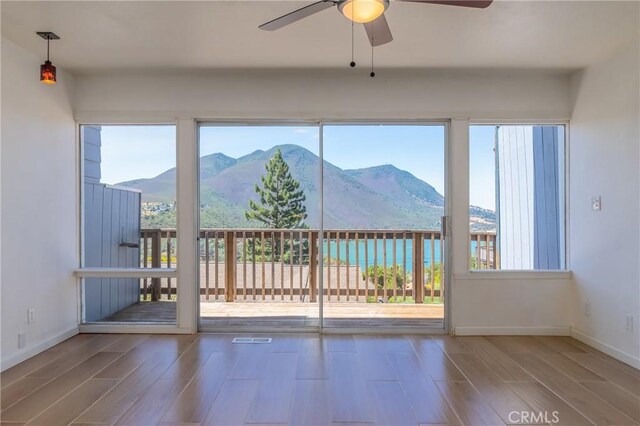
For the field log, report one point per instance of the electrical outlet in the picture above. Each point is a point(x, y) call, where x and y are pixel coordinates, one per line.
point(629, 322)
point(31, 316)
point(22, 340)
point(596, 203)
point(587, 309)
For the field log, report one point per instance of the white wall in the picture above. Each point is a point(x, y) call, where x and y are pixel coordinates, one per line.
point(493, 305)
point(519, 304)
point(38, 225)
point(334, 94)
point(604, 160)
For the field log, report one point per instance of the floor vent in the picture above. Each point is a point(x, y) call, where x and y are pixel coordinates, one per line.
point(252, 340)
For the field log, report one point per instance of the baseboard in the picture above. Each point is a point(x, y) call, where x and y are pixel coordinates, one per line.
point(36, 349)
point(627, 358)
point(512, 331)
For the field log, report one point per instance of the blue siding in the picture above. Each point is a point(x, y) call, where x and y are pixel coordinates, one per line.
point(112, 217)
point(546, 187)
point(530, 199)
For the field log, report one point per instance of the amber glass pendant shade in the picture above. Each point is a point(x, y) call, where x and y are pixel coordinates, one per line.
point(47, 73)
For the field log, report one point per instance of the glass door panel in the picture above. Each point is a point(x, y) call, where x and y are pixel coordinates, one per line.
point(259, 219)
point(384, 189)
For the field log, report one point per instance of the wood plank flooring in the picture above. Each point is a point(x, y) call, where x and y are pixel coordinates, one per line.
point(306, 379)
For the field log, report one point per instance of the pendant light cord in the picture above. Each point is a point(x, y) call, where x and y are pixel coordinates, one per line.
point(373, 74)
point(48, 40)
point(353, 62)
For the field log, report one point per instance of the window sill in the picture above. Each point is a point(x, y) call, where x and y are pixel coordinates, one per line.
point(126, 273)
point(513, 275)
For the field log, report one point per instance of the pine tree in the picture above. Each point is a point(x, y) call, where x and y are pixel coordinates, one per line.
point(281, 199)
point(281, 206)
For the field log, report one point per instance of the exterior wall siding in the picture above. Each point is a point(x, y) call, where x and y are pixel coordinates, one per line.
point(530, 210)
point(112, 217)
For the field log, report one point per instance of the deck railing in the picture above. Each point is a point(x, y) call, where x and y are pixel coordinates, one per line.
point(255, 265)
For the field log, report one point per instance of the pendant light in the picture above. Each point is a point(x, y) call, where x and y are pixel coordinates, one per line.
point(48, 70)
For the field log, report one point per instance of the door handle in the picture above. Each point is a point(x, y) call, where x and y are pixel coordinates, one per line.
point(444, 226)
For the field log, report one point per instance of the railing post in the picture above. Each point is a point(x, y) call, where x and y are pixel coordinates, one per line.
point(156, 262)
point(418, 266)
point(230, 266)
point(313, 264)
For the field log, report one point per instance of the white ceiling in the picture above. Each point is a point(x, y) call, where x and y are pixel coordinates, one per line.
point(98, 36)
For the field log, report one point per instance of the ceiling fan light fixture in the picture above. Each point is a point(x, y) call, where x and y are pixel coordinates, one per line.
point(363, 11)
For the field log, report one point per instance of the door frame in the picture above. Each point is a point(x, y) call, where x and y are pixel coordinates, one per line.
point(446, 260)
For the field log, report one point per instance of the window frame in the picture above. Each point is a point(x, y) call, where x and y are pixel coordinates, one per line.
point(83, 272)
point(510, 274)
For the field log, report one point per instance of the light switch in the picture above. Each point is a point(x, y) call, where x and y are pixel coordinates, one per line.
point(596, 204)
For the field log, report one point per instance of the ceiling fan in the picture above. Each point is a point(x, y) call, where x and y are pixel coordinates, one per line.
point(367, 12)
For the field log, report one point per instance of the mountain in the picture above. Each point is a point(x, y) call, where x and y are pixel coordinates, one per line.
point(381, 197)
point(162, 188)
point(400, 186)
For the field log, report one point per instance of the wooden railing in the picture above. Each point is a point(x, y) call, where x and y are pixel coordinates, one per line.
point(283, 265)
point(484, 254)
point(158, 250)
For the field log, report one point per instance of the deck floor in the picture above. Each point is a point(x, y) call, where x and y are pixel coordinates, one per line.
point(291, 314)
point(306, 379)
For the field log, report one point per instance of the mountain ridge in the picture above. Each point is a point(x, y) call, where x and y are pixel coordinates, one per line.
point(377, 197)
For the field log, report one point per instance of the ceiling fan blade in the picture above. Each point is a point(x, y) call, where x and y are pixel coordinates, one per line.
point(378, 31)
point(296, 15)
point(478, 4)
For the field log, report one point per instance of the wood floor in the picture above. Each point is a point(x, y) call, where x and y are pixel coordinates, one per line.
point(313, 380)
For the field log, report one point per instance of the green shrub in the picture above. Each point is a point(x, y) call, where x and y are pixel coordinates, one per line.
point(394, 276)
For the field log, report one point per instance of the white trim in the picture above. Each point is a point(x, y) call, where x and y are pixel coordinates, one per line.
point(79, 148)
point(622, 356)
point(560, 330)
point(320, 241)
point(446, 261)
point(133, 328)
point(513, 275)
point(516, 121)
point(126, 273)
point(104, 118)
point(166, 117)
point(565, 123)
point(36, 349)
point(187, 189)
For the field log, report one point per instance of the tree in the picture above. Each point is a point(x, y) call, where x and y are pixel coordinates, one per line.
point(281, 206)
point(281, 199)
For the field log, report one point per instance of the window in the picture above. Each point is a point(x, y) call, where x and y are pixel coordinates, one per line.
point(129, 216)
point(517, 207)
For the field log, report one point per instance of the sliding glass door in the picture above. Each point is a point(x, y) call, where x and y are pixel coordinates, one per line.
point(288, 241)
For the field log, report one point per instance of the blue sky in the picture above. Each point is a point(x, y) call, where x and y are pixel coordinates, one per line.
point(133, 152)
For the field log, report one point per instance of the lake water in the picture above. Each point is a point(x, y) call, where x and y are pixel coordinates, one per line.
point(400, 249)
point(406, 247)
